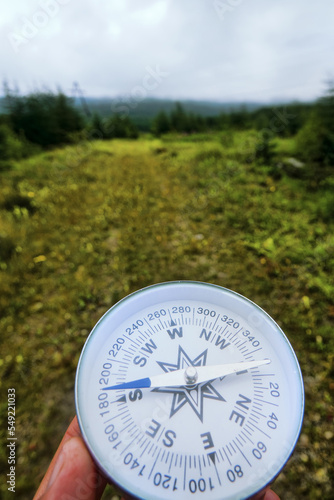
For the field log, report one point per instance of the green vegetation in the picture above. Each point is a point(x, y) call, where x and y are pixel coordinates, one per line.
point(282, 121)
point(43, 118)
point(315, 141)
point(114, 127)
point(83, 226)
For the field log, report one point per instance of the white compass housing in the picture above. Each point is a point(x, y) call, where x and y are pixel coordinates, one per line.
point(217, 433)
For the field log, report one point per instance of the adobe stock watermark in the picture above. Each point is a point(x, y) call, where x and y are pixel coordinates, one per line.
point(150, 81)
point(33, 24)
point(223, 7)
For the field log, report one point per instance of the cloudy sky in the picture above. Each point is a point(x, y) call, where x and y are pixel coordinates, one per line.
point(226, 50)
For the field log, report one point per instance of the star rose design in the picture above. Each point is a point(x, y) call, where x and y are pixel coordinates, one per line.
point(193, 395)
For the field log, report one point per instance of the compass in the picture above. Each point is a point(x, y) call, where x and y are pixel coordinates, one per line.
point(189, 390)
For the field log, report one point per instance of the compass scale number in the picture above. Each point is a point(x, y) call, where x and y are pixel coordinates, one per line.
point(189, 390)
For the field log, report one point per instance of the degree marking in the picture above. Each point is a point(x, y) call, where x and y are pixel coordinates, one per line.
point(250, 432)
point(231, 339)
point(258, 406)
point(149, 451)
point(171, 460)
point(185, 472)
point(250, 465)
point(256, 420)
point(128, 351)
point(142, 453)
point(155, 449)
point(142, 436)
point(149, 476)
point(199, 465)
point(267, 435)
point(217, 472)
point(229, 336)
point(252, 352)
point(149, 326)
point(241, 444)
point(229, 461)
point(118, 415)
point(242, 343)
point(247, 437)
point(131, 340)
point(127, 447)
point(268, 402)
point(258, 413)
point(118, 361)
point(230, 444)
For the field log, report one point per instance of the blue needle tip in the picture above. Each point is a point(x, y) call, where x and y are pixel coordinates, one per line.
point(135, 384)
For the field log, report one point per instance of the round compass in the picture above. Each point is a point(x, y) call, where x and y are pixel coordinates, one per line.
point(189, 390)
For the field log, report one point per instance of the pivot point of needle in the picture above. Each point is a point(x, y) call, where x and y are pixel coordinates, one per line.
point(190, 375)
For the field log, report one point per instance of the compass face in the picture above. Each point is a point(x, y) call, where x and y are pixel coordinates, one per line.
point(221, 437)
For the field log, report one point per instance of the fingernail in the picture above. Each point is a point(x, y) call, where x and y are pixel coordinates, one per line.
point(57, 468)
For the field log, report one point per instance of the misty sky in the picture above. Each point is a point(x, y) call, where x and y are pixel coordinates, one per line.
point(225, 50)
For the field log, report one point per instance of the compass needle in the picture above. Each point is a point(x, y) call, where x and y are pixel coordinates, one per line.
point(189, 390)
point(179, 378)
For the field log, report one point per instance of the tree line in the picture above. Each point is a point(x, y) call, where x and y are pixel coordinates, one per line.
point(291, 118)
point(44, 119)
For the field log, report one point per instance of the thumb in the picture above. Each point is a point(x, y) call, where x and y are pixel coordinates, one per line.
point(74, 474)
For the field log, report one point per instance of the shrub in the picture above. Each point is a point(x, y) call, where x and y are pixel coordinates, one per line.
point(11, 145)
point(265, 150)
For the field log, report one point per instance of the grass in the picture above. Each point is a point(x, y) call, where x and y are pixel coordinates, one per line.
point(83, 226)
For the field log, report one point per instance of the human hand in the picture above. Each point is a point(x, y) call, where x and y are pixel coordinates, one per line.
point(73, 473)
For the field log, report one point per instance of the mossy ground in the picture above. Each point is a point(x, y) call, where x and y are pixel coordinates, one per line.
point(83, 226)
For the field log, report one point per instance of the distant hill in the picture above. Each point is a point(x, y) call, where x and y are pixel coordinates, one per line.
point(142, 112)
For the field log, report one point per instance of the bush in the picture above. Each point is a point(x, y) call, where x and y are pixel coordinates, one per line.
point(11, 145)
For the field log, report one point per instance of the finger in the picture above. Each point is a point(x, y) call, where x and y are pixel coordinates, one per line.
point(74, 474)
point(271, 495)
point(265, 494)
point(72, 432)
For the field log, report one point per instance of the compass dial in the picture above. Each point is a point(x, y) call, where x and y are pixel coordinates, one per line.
point(186, 389)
